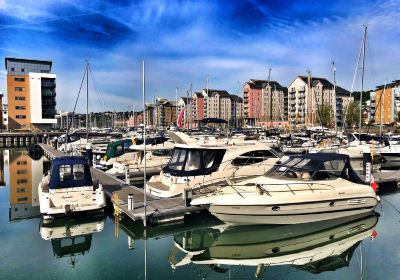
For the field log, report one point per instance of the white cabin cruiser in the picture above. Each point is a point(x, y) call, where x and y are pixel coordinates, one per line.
point(203, 164)
point(68, 187)
point(157, 156)
point(305, 188)
point(350, 146)
point(390, 156)
point(297, 146)
point(314, 247)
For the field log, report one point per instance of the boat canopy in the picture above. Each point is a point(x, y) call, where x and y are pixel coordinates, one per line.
point(317, 166)
point(70, 172)
point(117, 148)
point(194, 161)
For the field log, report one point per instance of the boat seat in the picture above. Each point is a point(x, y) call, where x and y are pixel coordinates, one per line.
point(158, 185)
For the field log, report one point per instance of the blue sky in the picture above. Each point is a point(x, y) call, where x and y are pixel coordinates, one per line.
point(183, 41)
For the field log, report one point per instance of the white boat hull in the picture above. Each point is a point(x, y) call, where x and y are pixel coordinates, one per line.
point(293, 213)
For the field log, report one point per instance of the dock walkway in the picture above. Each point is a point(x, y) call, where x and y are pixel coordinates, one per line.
point(158, 210)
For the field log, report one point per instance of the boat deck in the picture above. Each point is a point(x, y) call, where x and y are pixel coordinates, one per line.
point(158, 210)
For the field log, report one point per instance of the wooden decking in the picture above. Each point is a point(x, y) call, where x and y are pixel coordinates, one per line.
point(158, 210)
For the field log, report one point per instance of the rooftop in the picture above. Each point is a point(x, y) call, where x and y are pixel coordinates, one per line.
point(26, 60)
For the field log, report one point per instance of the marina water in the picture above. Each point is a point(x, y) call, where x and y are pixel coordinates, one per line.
point(102, 247)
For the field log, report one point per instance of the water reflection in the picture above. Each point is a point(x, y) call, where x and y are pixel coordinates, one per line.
point(25, 175)
point(316, 247)
point(71, 237)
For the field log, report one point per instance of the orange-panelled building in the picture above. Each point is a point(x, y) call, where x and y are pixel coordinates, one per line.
point(18, 102)
point(31, 91)
point(385, 102)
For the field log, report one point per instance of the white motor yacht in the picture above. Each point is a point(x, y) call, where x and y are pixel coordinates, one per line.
point(157, 156)
point(390, 156)
point(68, 187)
point(351, 147)
point(202, 164)
point(305, 188)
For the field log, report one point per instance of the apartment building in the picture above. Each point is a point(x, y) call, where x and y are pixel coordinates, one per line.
point(164, 112)
point(236, 110)
point(252, 99)
point(198, 106)
point(385, 103)
point(265, 102)
point(217, 104)
point(306, 94)
point(149, 114)
point(186, 104)
point(31, 91)
point(5, 116)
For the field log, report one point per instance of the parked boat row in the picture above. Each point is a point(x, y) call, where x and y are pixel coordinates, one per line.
point(239, 181)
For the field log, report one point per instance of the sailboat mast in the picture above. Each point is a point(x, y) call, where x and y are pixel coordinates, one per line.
point(334, 96)
point(382, 100)
point(144, 147)
point(362, 78)
point(87, 101)
point(269, 97)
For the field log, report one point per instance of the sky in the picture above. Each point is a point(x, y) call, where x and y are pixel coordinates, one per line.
point(183, 42)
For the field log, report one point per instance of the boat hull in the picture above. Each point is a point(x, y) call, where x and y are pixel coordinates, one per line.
point(391, 159)
point(298, 213)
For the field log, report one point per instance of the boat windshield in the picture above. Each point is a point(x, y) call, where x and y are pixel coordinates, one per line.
point(193, 162)
point(310, 167)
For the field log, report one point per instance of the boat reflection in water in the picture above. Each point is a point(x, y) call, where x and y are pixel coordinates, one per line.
point(314, 247)
point(71, 237)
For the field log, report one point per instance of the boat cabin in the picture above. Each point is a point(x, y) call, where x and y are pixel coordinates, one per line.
point(194, 161)
point(315, 166)
point(70, 172)
point(117, 148)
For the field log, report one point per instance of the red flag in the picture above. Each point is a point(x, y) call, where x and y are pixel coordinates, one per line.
point(180, 117)
point(374, 186)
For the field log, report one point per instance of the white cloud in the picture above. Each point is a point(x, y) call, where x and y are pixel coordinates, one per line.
point(3, 4)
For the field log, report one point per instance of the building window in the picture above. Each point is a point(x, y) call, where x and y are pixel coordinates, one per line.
point(22, 199)
point(22, 70)
point(20, 98)
point(19, 79)
point(21, 171)
point(22, 181)
point(21, 190)
point(20, 107)
point(19, 89)
point(21, 117)
point(12, 69)
point(22, 162)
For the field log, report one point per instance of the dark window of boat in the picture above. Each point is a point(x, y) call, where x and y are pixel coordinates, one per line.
point(75, 175)
point(119, 150)
point(194, 162)
point(252, 157)
point(160, 153)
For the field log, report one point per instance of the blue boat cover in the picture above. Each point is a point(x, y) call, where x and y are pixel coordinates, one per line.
point(73, 162)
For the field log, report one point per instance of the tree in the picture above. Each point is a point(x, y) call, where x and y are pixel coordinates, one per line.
point(353, 114)
point(325, 114)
